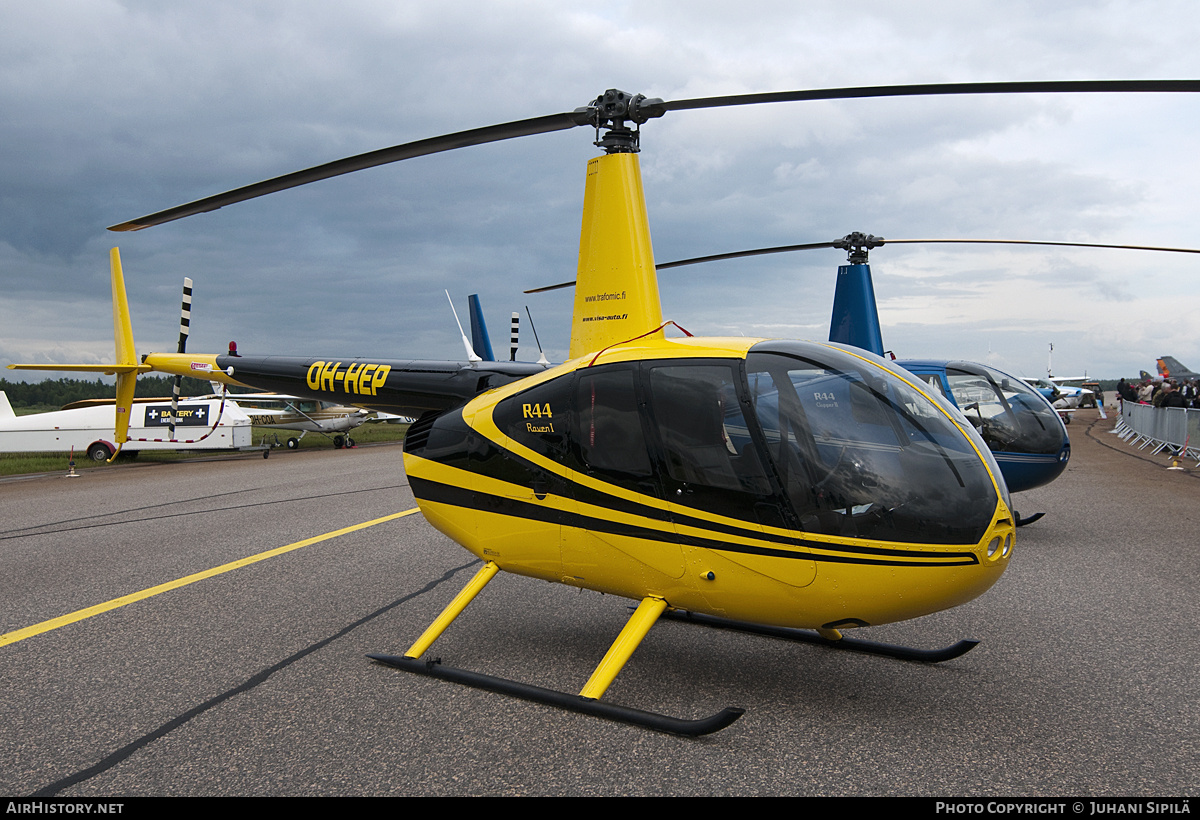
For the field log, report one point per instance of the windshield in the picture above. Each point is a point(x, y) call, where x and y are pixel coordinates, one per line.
point(1009, 414)
point(860, 453)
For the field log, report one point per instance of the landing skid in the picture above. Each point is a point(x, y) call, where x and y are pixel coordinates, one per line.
point(588, 700)
point(905, 653)
point(564, 700)
point(1021, 522)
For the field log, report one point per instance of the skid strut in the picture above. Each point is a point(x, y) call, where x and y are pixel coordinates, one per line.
point(833, 641)
point(587, 701)
point(1021, 522)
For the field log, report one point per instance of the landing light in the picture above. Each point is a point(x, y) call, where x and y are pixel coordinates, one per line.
point(993, 548)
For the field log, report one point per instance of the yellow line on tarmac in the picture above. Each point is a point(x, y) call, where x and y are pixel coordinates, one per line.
point(117, 603)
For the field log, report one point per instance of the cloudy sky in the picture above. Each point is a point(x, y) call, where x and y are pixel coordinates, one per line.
point(110, 110)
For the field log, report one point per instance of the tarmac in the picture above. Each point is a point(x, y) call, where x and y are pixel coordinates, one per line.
point(254, 680)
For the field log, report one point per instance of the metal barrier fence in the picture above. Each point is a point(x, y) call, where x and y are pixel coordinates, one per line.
point(1175, 430)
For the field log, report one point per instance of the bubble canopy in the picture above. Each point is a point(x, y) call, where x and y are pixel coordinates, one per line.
point(800, 436)
point(858, 451)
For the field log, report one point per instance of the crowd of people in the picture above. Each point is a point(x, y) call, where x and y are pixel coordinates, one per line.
point(1161, 392)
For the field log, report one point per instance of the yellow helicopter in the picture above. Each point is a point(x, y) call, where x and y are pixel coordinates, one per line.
point(780, 486)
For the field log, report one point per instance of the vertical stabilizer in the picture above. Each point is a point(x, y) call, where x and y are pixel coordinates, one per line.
point(480, 341)
point(616, 288)
point(126, 353)
point(1170, 366)
point(122, 329)
point(855, 317)
point(126, 366)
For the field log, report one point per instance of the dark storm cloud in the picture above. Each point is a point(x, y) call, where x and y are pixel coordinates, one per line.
point(115, 109)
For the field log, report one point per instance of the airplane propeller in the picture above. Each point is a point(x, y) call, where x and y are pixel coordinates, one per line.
point(185, 324)
point(611, 111)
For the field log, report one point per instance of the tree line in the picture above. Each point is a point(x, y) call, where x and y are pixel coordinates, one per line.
point(57, 392)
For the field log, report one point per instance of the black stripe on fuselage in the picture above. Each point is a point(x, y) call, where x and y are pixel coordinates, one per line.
point(470, 499)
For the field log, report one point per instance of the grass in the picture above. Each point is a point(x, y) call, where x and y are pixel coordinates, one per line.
point(29, 410)
point(24, 463)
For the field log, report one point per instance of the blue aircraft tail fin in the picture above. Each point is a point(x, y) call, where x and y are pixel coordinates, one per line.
point(479, 334)
point(855, 317)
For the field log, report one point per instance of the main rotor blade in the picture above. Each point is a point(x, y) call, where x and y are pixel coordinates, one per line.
point(932, 89)
point(408, 150)
point(717, 257)
point(787, 248)
point(1033, 242)
point(696, 260)
point(679, 263)
point(559, 286)
point(649, 109)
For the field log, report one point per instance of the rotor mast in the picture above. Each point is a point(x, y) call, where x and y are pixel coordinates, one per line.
point(855, 319)
point(616, 296)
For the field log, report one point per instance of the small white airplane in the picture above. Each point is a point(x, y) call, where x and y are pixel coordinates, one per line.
point(279, 412)
point(87, 428)
point(1063, 397)
point(282, 412)
point(1074, 396)
point(1066, 397)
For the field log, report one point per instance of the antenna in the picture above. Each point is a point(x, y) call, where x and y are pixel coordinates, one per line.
point(541, 354)
point(471, 357)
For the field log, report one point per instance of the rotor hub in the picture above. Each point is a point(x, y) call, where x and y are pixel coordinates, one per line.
point(612, 110)
point(857, 245)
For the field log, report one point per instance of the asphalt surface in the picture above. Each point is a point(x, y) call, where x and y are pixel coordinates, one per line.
point(255, 681)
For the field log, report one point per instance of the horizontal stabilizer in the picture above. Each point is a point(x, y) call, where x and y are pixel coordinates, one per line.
point(107, 369)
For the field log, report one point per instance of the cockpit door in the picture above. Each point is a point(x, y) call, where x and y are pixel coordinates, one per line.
point(725, 508)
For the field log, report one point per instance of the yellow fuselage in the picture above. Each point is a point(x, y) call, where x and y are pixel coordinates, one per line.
point(575, 527)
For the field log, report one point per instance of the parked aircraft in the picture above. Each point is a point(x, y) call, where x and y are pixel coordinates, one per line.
point(1170, 368)
point(789, 484)
point(281, 412)
point(87, 428)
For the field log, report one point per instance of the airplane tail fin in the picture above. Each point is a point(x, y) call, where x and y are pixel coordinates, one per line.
point(1169, 364)
point(6, 411)
point(480, 341)
point(126, 367)
point(616, 290)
